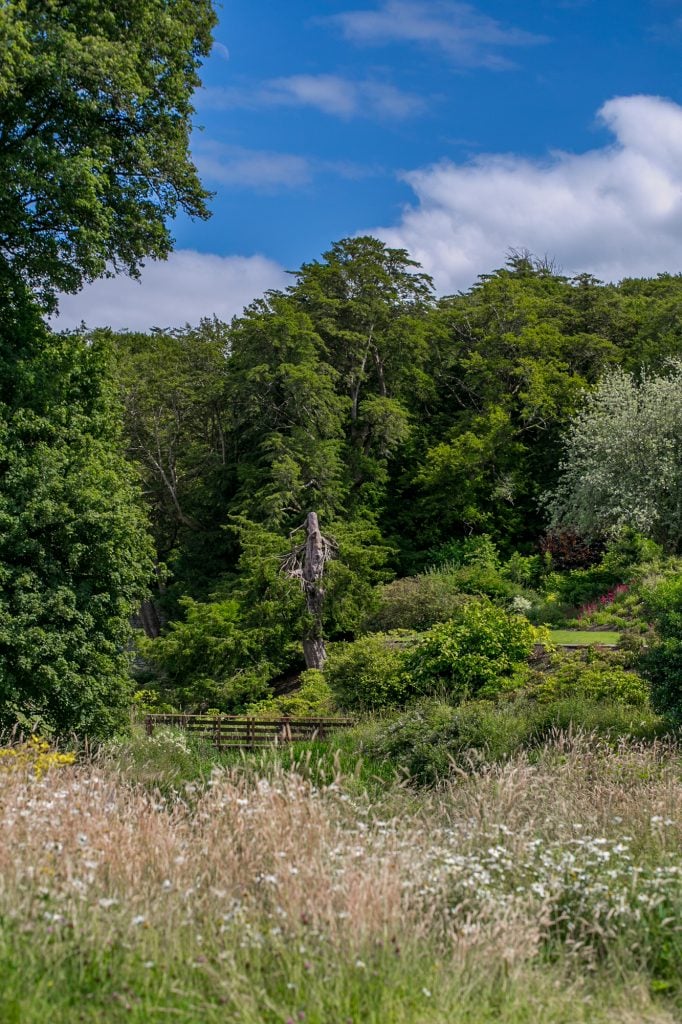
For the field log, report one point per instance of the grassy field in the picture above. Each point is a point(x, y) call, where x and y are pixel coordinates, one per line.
point(584, 636)
point(549, 891)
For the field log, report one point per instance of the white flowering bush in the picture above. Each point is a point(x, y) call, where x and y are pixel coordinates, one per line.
point(623, 459)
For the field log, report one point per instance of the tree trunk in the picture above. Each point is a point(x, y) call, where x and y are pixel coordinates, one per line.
point(150, 619)
point(315, 652)
point(313, 570)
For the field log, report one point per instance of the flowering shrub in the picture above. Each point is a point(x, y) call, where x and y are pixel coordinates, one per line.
point(35, 756)
point(604, 601)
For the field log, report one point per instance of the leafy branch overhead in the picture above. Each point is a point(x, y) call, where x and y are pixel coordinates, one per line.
point(95, 118)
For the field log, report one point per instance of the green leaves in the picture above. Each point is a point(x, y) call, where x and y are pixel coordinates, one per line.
point(75, 559)
point(623, 459)
point(479, 653)
point(94, 134)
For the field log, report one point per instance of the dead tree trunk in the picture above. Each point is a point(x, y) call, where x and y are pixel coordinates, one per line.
point(313, 570)
point(306, 563)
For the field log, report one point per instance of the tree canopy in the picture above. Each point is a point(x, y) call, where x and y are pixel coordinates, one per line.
point(95, 118)
point(622, 465)
point(75, 554)
point(413, 426)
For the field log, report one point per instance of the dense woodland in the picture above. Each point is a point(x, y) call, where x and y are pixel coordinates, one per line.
point(417, 428)
point(493, 461)
point(358, 498)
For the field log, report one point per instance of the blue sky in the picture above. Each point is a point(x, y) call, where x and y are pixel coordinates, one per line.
point(455, 130)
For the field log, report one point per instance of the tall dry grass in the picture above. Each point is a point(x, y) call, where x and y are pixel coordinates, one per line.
point(573, 861)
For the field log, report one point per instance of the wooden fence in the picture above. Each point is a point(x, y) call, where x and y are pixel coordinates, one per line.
point(226, 731)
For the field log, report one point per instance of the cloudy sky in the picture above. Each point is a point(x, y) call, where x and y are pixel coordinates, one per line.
point(457, 131)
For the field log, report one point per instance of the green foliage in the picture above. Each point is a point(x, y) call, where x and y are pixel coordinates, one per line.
point(95, 121)
point(480, 653)
point(75, 559)
point(623, 454)
point(313, 699)
point(662, 664)
point(226, 650)
point(483, 581)
point(149, 702)
point(511, 359)
point(417, 602)
point(591, 677)
point(476, 550)
point(528, 571)
point(286, 416)
point(368, 304)
point(432, 739)
point(580, 586)
point(174, 388)
point(474, 565)
point(367, 675)
point(210, 659)
point(459, 570)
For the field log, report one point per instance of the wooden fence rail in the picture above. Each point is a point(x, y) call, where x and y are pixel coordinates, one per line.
point(226, 731)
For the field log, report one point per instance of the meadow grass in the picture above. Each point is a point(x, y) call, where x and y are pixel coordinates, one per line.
point(549, 891)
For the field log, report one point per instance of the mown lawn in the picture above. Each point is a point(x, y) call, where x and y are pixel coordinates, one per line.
point(584, 636)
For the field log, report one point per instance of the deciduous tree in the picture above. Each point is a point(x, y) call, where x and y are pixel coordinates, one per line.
point(95, 118)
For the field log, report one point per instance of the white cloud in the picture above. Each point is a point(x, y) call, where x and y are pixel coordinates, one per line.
point(331, 94)
point(250, 168)
point(467, 37)
point(614, 211)
point(183, 289)
point(263, 171)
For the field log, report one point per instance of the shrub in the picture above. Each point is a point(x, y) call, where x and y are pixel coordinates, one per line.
point(528, 571)
point(417, 602)
point(662, 664)
point(432, 736)
point(587, 676)
point(313, 698)
point(367, 675)
point(210, 659)
point(431, 739)
point(34, 756)
point(569, 550)
point(550, 612)
point(482, 580)
point(149, 702)
point(584, 585)
point(480, 653)
point(480, 550)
